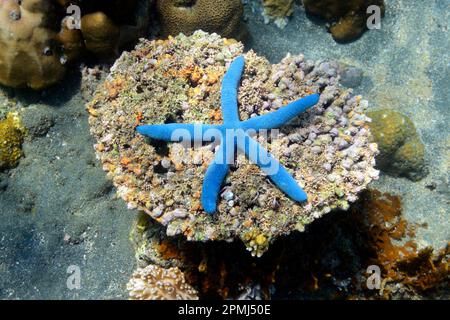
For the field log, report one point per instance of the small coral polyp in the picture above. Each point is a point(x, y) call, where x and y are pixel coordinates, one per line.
point(326, 149)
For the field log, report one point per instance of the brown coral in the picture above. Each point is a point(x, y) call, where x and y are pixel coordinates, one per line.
point(187, 16)
point(402, 153)
point(348, 17)
point(30, 56)
point(100, 33)
point(156, 283)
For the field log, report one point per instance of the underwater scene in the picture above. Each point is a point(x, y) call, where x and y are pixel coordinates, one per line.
point(224, 150)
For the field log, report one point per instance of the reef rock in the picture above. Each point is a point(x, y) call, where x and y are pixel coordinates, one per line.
point(402, 153)
point(30, 56)
point(156, 283)
point(327, 149)
point(348, 18)
point(187, 16)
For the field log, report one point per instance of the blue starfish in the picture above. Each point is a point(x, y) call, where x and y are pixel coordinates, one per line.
point(234, 133)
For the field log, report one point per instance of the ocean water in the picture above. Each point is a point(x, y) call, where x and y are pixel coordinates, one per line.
point(58, 209)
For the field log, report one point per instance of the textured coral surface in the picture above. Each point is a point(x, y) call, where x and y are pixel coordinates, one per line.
point(327, 149)
point(187, 16)
point(402, 153)
point(30, 56)
point(156, 283)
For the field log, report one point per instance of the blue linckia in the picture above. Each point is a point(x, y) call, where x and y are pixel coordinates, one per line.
point(235, 133)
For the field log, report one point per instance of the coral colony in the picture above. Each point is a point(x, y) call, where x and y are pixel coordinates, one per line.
point(234, 133)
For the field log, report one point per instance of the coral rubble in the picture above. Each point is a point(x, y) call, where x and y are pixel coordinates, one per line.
point(156, 283)
point(327, 149)
point(348, 18)
point(11, 138)
point(402, 153)
point(187, 16)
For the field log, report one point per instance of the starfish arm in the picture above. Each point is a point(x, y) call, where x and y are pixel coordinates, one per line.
point(215, 174)
point(178, 132)
point(230, 85)
point(281, 116)
point(274, 170)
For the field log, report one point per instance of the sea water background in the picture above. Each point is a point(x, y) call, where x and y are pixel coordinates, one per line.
point(57, 208)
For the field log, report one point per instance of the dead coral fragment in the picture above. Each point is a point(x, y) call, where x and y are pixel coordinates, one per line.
point(349, 17)
point(11, 138)
point(187, 16)
point(401, 151)
point(156, 283)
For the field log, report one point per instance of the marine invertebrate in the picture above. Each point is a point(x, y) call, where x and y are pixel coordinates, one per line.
point(11, 138)
point(235, 133)
point(348, 18)
point(402, 153)
point(30, 56)
point(187, 16)
point(156, 283)
point(278, 10)
point(326, 149)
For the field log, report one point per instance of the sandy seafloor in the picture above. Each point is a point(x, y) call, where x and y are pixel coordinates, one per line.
point(58, 209)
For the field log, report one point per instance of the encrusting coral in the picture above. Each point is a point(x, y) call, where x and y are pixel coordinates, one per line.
point(186, 16)
point(348, 18)
point(327, 149)
point(156, 283)
point(402, 153)
point(30, 56)
point(11, 138)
